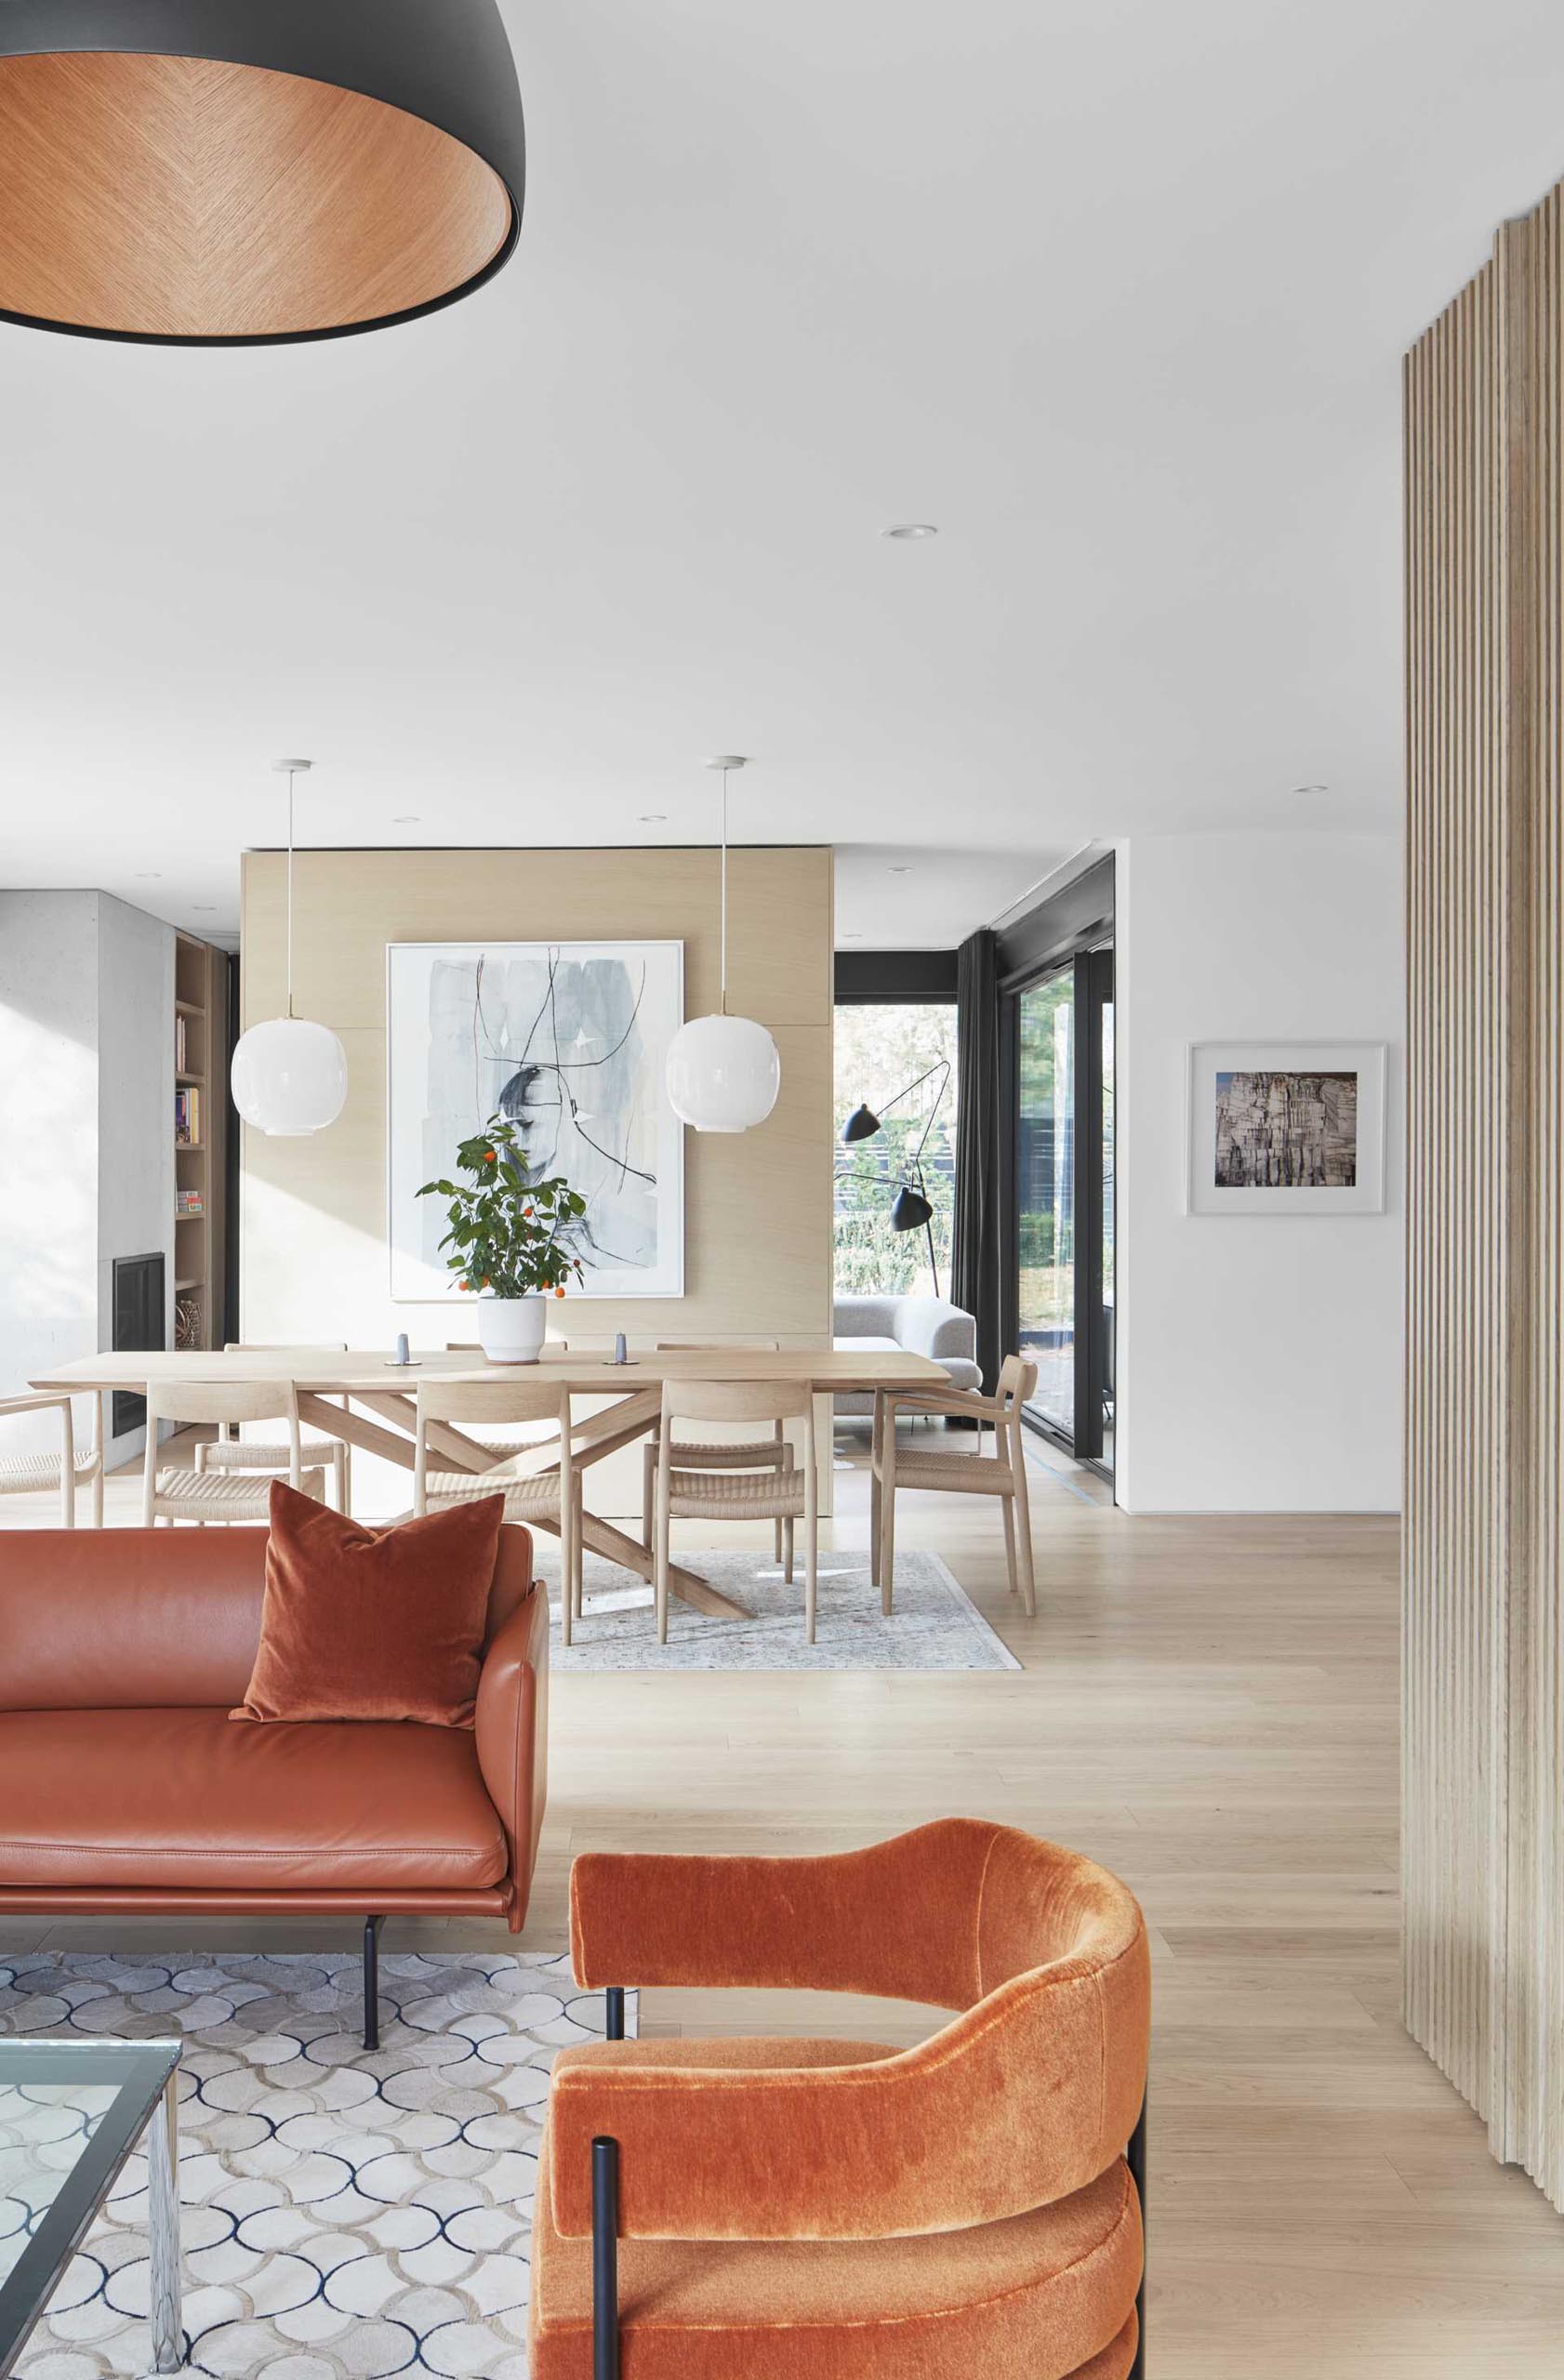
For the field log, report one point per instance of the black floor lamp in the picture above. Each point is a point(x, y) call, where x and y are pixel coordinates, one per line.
point(913, 1211)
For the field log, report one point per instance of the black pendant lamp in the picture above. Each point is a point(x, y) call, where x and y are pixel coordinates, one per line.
point(233, 172)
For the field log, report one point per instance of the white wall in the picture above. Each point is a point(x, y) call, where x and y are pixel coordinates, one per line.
point(1259, 1358)
point(86, 1072)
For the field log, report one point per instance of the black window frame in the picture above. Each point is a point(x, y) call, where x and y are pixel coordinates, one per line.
point(1074, 929)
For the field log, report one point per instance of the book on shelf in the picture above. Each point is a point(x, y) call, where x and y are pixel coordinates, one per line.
point(187, 1115)
point(188, 1202)
point(179, 1065)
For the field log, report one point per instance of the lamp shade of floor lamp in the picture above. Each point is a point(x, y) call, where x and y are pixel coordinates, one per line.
point(913, 1211)
point(230, 171)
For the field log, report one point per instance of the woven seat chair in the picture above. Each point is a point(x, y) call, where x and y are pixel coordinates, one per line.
point(592, 1445)
point(29, 1474)
point(232, 1451)
point(230, 1496)
point(787, 1495)
point(547, 1498)
point(503, 1449)
point(1002, 1473)
point(775, 1453)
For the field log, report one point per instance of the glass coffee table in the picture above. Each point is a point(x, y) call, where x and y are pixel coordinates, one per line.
point(71, 2112)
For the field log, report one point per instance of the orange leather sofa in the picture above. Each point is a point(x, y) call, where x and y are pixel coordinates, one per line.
point(126, 1789)
point(827, 2210)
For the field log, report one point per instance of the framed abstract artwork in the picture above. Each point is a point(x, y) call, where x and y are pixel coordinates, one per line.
point(1286, 1128)
point(568, 1039)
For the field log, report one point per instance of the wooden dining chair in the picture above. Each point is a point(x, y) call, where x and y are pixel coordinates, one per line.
point(26, 1475)
point(1002, 1473)
point(548, 1499)
point(775, 1453)
point(230, 1450)
point(788, 1496)
point(203, 1495)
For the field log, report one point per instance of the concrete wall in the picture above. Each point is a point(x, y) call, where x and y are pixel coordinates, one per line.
point(48, 1146)
point(134, 1109)
point(1259, 1357)
point(86, 1063)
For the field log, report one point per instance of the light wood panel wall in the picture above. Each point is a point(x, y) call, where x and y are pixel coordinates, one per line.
point(758, 1205)
point(1483, 1780)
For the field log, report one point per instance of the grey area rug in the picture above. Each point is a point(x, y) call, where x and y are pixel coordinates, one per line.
point(345, 2213)
point(934, 1626)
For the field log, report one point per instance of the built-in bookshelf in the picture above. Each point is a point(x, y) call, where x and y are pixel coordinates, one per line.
point(198, 1113)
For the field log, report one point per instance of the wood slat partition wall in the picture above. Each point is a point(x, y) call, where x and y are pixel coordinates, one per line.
point(1483, 1762)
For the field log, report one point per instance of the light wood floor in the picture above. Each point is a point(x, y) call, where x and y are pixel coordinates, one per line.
point(1209, 1707)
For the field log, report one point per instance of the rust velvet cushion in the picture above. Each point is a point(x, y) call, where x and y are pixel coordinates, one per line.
point(375, 1624)
point(1047, 2295)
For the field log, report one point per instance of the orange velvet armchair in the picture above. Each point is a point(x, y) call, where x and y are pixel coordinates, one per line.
point(843, 2210)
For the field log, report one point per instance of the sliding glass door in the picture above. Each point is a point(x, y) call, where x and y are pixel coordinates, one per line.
point(1045, 1191)
point(1062, 1297)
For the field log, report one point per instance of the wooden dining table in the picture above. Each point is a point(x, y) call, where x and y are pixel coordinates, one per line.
point(381, 1411)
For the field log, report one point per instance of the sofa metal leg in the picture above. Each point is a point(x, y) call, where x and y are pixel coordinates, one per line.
point(372, 1981)
point(605, 2260)
point(615, 1999)
point(1136, 2159)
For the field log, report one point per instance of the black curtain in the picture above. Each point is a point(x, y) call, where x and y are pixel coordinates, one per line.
point(975, 1256)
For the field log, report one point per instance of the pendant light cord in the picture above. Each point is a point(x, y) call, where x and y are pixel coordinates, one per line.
point(724, 929)
point(290, 894)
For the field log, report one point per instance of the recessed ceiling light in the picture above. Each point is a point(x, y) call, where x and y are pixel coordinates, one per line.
point(203, 908)
point(910, 529)
point(1311, 788)
point(905, 869)
point(654, 818)
point(852, 937)
point(149, 875)
point(408, 818)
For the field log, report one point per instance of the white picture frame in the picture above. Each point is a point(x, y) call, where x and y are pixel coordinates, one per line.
point(473, 1026)
point(1237, 1129)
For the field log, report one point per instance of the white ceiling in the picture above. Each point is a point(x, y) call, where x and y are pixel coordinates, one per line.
point(1115, 293)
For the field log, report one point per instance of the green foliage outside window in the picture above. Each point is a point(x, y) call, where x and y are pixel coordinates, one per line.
point(878, 1050)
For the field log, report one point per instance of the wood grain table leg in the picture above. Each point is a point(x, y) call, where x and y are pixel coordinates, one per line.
point(630, 1554)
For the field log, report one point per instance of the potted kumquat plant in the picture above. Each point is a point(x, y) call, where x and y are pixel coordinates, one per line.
point(511, 1240)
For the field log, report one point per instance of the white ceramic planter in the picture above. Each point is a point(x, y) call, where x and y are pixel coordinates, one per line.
point(510, 1328)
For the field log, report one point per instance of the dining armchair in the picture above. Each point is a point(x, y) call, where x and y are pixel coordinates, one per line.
point(548, 1497)
point(1002, 1473)
point(808, 2208)
point(775, 1453)
point(26, 1475)
point(782, 1494)
point(230, 1450)
point(176, 1494)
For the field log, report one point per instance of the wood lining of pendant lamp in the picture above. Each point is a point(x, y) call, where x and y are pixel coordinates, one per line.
point(157, 197)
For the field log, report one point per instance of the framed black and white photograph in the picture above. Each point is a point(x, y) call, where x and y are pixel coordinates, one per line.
point(1286, 1128)
point(569, 1040)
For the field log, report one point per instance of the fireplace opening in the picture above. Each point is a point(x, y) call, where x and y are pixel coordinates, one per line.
point(138, 1323)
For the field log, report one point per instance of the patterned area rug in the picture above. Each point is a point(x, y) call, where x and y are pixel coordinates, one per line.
point(346, 2215)
point(934, 1626)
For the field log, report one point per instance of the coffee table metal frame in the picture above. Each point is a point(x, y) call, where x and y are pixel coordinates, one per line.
point(145, 2076)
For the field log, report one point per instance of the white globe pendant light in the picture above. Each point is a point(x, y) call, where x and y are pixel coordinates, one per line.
point(289, 1077)
point(723, 1071)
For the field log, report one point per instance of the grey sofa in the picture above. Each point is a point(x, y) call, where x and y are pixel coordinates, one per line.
point(923, 1325)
